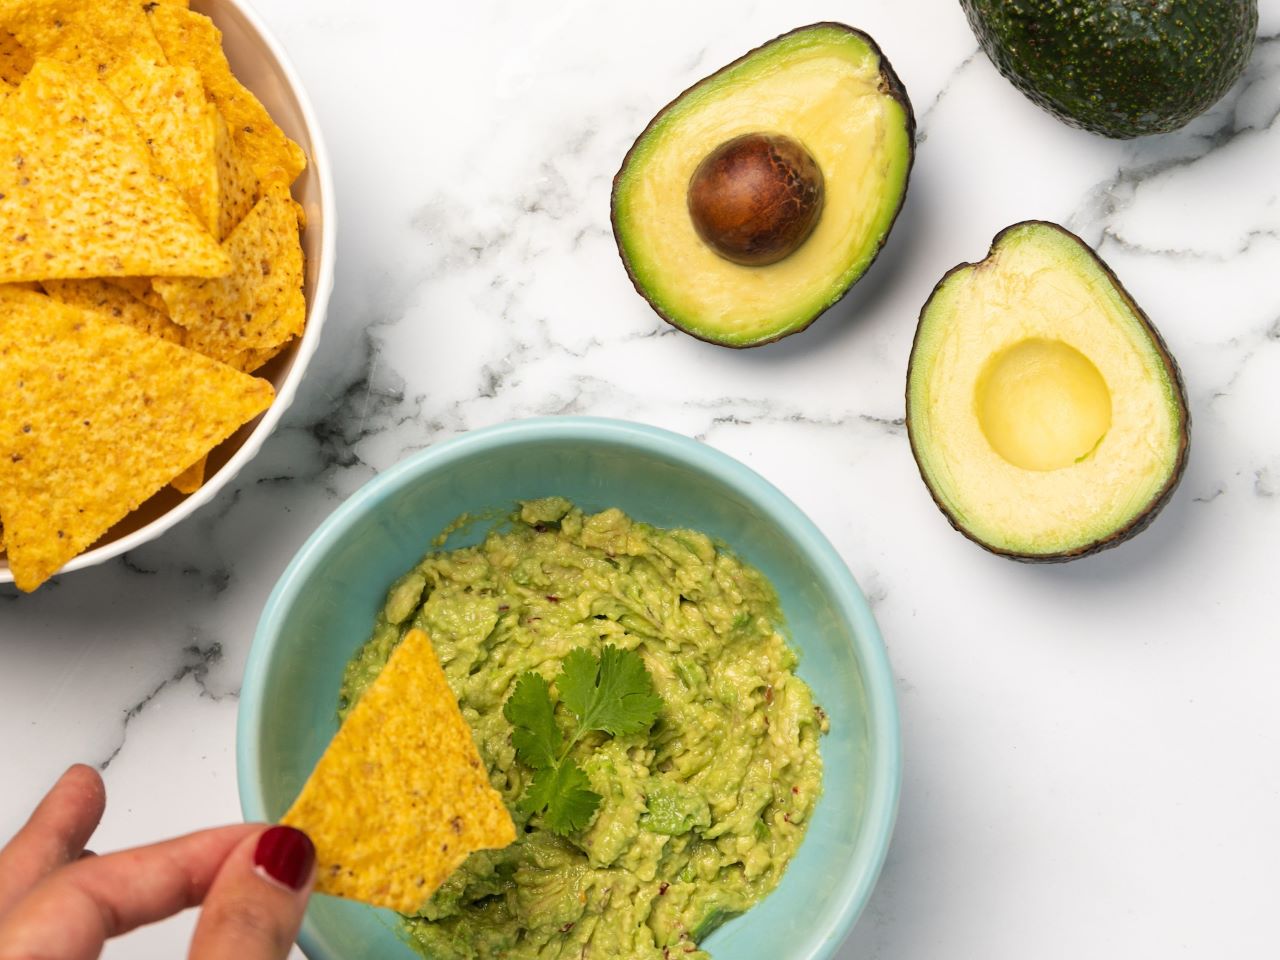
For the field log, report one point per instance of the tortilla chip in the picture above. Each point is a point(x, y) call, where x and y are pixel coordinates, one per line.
point(116, 304)
point(180, 126)
point(15, 59)
point(99, 36)
point(191, 479)
point(190, 141)
point(237, 183)
point(80, 197)
point(247, 361)
point(140, 289)
point(97, 417)
point(259, 304)
point(251, 360)
point(192, 39)
point(400, 797)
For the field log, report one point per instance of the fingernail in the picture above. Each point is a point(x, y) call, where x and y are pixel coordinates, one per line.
point(285, 856)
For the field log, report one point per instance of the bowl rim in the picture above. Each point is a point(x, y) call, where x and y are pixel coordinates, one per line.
point(851, 892)
point(307, 343)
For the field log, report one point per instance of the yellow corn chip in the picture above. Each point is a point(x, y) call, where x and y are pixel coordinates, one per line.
point(97, 417)
point(100, 36)
point(246, 361)
point(191, 479)
point(400, 797)
point(180, 126)
point(80, 197)
point(251, 360)
point(259, 304)
point(15, 59)
point(140, 288)
point(192, 39)
point(237, 183)
point(115, 304)
point(190, 141)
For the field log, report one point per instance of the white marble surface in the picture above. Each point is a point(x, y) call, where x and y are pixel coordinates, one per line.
point(1092, 750)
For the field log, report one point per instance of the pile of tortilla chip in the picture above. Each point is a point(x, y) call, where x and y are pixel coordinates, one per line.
point(150, 262)
point(400, 797)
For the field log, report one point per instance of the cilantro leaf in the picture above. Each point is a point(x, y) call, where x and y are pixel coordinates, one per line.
point(578, 675)
point(614, 694)
point(564, 795)
point(537, 739)
point(540, 791)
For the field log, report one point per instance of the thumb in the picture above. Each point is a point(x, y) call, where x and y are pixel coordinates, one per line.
point(255, 906)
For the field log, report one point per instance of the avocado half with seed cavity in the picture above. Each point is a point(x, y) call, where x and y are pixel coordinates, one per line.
point(759, 196)
point(1045, 413)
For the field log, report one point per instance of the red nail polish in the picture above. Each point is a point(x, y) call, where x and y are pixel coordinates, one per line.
point(286, 856)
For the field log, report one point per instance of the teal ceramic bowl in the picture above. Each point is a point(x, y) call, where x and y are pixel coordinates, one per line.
point(324, 605)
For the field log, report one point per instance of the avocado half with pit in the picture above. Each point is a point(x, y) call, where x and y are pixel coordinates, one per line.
point(1045, 413)
point(760, 195)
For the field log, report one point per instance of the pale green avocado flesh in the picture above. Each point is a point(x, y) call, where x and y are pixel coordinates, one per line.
point(1045, 413)
point(827, 87)
point(700, 815)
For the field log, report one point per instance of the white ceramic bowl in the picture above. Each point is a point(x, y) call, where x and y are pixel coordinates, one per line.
point(261, 65)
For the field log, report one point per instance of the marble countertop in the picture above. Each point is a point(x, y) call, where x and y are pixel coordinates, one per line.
point(1092, 750)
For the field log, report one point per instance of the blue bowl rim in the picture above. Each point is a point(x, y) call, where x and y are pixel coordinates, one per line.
point(853, 891)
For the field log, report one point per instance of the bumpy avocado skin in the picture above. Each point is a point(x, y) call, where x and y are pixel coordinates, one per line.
point(891, 86)
point(1121, 68)
point(1157, 502)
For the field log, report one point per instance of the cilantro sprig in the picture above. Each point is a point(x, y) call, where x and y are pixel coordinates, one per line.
point(612, 693)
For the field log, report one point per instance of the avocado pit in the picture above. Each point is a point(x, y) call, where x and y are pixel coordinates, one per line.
point(756, 198)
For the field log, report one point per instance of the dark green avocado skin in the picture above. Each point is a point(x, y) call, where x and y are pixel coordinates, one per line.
point(1121, 68)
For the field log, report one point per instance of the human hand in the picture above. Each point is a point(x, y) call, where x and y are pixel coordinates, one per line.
point(59, 901)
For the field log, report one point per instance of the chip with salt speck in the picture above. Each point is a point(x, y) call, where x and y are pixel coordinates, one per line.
point(116, 303)
point(259, 304)
point(99, 36)
point(97, 417)
point(181, 128)
point(15, 59)
point(192, 39)
point(81, 199)
point(400, 798)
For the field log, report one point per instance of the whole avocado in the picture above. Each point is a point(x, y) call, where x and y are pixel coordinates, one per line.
point(1121, 68)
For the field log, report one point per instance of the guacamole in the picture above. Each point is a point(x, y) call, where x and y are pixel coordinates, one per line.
point(700, 815)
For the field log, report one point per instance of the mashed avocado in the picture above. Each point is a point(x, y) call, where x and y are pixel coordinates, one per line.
point(700, 814)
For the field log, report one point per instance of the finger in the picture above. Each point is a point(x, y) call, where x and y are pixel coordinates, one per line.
point(255, 907)
point(73, 911)
point(56, 833)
